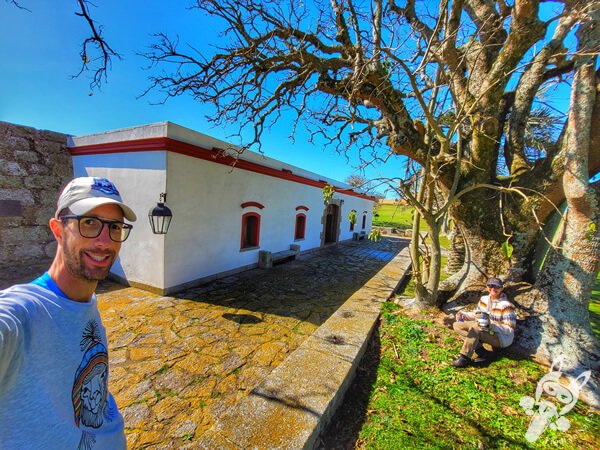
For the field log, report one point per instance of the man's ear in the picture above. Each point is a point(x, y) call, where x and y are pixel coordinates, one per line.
point(56, 228)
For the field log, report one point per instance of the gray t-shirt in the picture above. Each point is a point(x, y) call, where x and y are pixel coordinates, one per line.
point(54, 373)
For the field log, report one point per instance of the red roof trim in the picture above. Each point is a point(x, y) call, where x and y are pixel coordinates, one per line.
point(305, 208)
point(136, 145)
point(249, 204)
point(183, 148)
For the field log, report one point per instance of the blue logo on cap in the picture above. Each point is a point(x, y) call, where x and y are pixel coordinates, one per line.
point(105, 186)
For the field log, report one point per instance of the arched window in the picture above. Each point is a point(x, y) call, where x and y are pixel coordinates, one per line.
point(300, 226)
point(352, 219)
point(250, 230)
point(364, 221)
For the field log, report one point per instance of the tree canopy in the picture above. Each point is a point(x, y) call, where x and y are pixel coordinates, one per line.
point(459, 87)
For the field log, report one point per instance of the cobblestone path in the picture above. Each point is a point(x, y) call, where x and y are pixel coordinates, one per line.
point(178, 362)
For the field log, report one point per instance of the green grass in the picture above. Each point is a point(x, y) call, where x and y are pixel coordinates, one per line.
point(401, 217)
point(420, 401)
point(595, 308)
point(397, 216)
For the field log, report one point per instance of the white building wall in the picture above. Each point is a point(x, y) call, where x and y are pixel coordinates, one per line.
point(360, 205)
point(205, 235)
point(140, 178)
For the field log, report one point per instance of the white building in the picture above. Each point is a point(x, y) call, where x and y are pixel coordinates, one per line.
point(227, 208)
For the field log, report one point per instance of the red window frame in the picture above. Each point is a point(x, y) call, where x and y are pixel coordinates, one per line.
point(255, 237)
point(364, 221)
point(300, 228)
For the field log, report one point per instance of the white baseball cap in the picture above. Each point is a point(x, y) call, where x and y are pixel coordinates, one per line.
point(83, 194)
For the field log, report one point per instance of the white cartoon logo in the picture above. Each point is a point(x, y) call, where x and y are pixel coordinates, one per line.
point(545, 411)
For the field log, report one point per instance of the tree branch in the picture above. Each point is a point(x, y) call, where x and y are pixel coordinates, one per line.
point(18, 5)
point(95, 42)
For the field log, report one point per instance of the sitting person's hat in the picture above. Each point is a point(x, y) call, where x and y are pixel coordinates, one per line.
point(494, 283)
point(83, 194)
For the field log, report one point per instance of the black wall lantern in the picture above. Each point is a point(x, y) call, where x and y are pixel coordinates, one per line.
point(160, 216)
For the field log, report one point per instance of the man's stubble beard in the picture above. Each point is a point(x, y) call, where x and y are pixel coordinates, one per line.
point(75, 265)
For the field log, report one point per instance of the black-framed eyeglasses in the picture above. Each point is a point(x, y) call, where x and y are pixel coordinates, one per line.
point(91, 227)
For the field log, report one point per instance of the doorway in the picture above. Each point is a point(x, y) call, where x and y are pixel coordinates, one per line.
point(332, 221)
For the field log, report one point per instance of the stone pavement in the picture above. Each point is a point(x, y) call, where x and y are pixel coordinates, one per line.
point(294, 403)
point(178, 363)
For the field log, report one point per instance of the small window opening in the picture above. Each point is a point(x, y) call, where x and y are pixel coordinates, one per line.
point(300, 227)
point(250, 230)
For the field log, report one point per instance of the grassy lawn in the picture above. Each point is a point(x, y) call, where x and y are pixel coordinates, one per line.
point(419, 401)
point(394, 216)
point(408, 396)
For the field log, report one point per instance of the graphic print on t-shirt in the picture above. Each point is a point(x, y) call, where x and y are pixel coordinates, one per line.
point(90, 387)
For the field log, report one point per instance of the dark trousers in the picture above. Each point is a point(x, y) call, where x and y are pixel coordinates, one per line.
point(473, 336)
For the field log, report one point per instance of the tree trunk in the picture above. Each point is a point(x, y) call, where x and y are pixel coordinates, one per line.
point(487, 217)
point(435, 264)
point(456, 255)
point(425, 285)
point(477, 217)
point(559, 323)
point(426, 268)
point(482, 260)
point(421, 263)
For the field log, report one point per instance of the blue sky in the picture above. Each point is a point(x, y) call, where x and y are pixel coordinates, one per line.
point(40, 53)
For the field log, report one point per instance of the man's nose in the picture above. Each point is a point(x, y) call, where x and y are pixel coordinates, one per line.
point(104, 237)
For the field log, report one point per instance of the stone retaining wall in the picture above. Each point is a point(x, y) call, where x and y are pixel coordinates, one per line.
point(294, 404)
point(34, 166)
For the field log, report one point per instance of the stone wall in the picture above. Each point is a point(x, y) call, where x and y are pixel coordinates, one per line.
point(34, 166)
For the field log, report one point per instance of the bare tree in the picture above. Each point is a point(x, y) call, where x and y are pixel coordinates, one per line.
point(96, 54)
point(363, 184)
point(456, 87)
point(453, 85)
point(357, 181)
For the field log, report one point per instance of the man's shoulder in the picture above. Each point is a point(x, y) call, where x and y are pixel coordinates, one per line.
point(504, 303)
point(26, 288)
point(484, 299)
point(21, 296)
point(20, 305)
